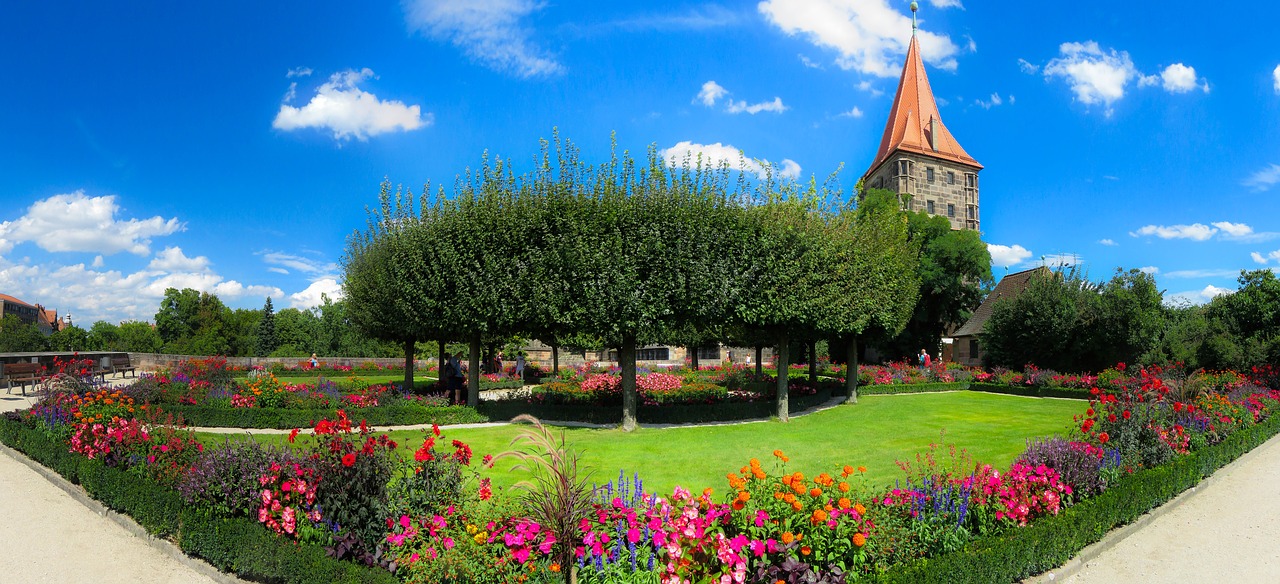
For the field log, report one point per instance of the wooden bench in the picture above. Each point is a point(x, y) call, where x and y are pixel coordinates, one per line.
point(23, 374)
point(121, 365)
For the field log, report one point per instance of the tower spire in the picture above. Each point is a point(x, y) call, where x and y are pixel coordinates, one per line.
point(914, 8)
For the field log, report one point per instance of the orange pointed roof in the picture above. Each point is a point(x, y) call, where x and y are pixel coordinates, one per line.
point(913, 118)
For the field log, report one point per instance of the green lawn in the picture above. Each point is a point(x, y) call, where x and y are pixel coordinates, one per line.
point(875, 433)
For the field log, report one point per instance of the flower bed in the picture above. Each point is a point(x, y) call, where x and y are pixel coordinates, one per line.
point(427, 517)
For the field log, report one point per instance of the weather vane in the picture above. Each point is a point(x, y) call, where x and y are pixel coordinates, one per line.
point(914, 8)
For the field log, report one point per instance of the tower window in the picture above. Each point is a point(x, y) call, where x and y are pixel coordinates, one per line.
point(930, 206)
point(951, 177)
point(970, 211)
point(904, 167)
point(951, 210)
point(929, 173)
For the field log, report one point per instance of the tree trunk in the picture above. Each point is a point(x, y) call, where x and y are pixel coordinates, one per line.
point(409, 354)
point(555, 359)
point(813, 363)
point(759, 362)
point(851, 374)
point(473, 374)
point(627, 356)
point(784, 405)
point(693, 357)
point(440, 359)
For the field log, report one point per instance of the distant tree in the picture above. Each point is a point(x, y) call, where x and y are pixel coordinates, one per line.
point(103, 336)
point(1038, 326)
point(297, 334)
point(1129, 319)
point(954, 269)
point(1245, 325)
point(267, 342)
point(194, 323)
point(139, 337)
point(19, 337)
point(71, 338)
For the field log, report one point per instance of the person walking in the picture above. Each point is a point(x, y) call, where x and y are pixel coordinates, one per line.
point(456, 380)
point(520, 367)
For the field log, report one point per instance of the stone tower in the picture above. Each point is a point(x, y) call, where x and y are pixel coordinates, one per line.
point(918, 158)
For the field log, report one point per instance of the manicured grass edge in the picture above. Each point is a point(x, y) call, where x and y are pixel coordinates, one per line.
point(1052, 541)
point(236, 545)
point(1028, 391)
point(668, 414)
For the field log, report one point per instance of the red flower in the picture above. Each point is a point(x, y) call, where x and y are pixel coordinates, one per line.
point(292, 435)
point(435, 429)
point(1127, 414)
point(1103, 437)
point(348, 459)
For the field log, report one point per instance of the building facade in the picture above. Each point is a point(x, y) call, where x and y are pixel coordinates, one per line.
point(918, 157)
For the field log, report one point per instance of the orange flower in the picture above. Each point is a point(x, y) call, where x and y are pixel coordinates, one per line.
point(778, 453)
point(555, 567)
point(806, 550)
point(815, 492)
point(859, 539)
point(819, 516)
point(844, 502)
point(797, 476)
point(737, 505)
point(777, 495)
point(860, 509)
point(707, 492)
point(756, 472)
point(847, 470)
point(862, 469)
point(755, 463)
point(789, 498)
point(797, 506)
point(744, 496)
point(844, 487)
point(787, 537)
point(744, 470)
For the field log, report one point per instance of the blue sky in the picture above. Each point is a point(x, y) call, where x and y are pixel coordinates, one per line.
point(232, 147)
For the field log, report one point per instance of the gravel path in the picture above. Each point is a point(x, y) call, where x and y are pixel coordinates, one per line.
point(1226, 531)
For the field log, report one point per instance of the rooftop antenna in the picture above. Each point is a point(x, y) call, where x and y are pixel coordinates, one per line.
point(914, 8)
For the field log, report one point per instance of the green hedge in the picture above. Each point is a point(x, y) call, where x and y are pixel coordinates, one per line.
point(401, 414)
point(1051, 541)
point(1064, 392)
point(238, 545)
point(669, 414)
point(899, 388)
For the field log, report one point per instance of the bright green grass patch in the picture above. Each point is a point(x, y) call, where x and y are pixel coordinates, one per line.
point(875, 433)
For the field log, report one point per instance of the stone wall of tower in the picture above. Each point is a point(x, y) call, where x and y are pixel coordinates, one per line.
point(954, 195)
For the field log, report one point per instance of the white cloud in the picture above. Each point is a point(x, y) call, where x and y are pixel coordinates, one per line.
point(1203, 274)
point(945, 3)
point(1149, 270)
point(1004, 256)
point(76, 222)
point(1276, 74)
point(942, 102)
point(1197, 296)
point(339, 105)
point(809, 63)
point(97, 261)
point(173, 260)
point(278, 270)
point(853, 113)
point(1234, 229)
point(990, 103)
point(1263, 179)
point(298, 72)
point(311, 296)
point(866, 85)
point(712, 155)
point(711, 91)
point(1012, 99)
point(970, 44)
point(869, 35)
point(1179, 78)
point(1195, 231)
point(737, 107)
point(1107, 242)
point(299, 263)
point(1257, 257)
point(491, 32)
point(1096, 76)
point(1028, 67)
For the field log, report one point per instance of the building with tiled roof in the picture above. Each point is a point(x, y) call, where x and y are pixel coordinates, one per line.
point(44, 319)
point(964, 341)
point(918, 157)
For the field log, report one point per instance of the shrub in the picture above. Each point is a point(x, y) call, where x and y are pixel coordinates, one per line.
point(1079, 465)
point(227, 478)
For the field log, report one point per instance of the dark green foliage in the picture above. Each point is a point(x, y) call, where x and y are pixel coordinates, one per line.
point(1051, 541)
point(266, 337)
point(237, 545)
point(1244, 327)
point(72, 338)
point(669, 414)
point(17, 336)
